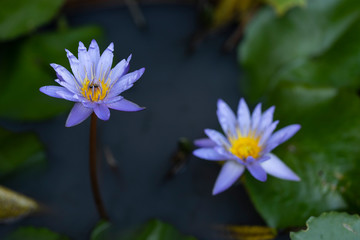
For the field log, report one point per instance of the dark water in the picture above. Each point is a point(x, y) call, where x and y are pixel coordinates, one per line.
point(180, 93)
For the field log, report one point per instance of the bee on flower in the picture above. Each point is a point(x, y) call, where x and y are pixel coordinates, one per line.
point(93, 85)
point(247, 144)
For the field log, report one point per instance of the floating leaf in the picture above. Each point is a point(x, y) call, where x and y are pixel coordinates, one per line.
point(31, 233)
point(310, 72)
point(20, 98)
point(316, 45)
point(14, 206)
point(22, 16)
point(330, 226)
point(282, 6)
point(19, 151)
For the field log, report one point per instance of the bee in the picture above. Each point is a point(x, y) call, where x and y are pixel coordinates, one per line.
point(95, 86)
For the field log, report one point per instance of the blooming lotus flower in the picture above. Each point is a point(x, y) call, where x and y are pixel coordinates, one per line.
point(93, 86)
point(247, 144)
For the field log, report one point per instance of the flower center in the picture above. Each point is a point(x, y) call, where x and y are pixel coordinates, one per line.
point(94, 91)
point(244, 147)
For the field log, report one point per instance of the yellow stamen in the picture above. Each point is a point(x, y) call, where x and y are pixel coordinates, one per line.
point(94, 91)
point(244, 147)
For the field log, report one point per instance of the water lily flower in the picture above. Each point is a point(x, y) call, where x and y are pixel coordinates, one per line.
point(247, 144)
point(93, 85)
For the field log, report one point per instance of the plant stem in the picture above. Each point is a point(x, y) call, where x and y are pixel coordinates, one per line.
point(92, 166)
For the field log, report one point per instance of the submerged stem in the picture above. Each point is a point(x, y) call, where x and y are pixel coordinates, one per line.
point(93, 174)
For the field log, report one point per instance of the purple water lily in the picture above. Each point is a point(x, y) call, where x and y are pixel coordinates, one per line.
point(248, 143)
point(94, 86)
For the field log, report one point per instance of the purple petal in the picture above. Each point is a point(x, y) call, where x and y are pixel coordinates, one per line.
point(281, 136)
point(255, 169)
point(53, 91)
point(85, 63)
point(243, 117)
point(94, 53)
point(119, 70)
point(263, 158)
point(204, 142)
point(255, 117)
point(105, 62)
point(63, 74)
point(89, 104)
point(275, 167)
point(66, 85)
point(217, 137)
point(70, 96)
point(209, 154)
point(78, 114)
point(223, 151)
point(125, 105)
point(228, 175)
point(266, 120)
point(126, 82)
point(267, 133)
point(102, 112)
point(74, 64)
point(226, 118)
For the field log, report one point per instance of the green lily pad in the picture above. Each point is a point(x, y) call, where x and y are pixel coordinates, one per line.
point(29, 69)
point(22, 16)
point(330, 226)
point(291, 63)
point(315, 45)
point(31, 233)
point(19, 151)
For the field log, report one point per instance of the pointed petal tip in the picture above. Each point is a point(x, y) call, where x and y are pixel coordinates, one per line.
point(243, 106)
point(93, 43)
point(81, 46)
point(204, 142)
point(262, 179)
point(111, 46)
point(216, 191)
point(129, 58)
point(208, 130)
point(196, 153)
point(42, 89)
point(53, 65)
point(220, 102)
point(242, 101)
point(295, 178)
point(297, 126)
point(69, 125)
